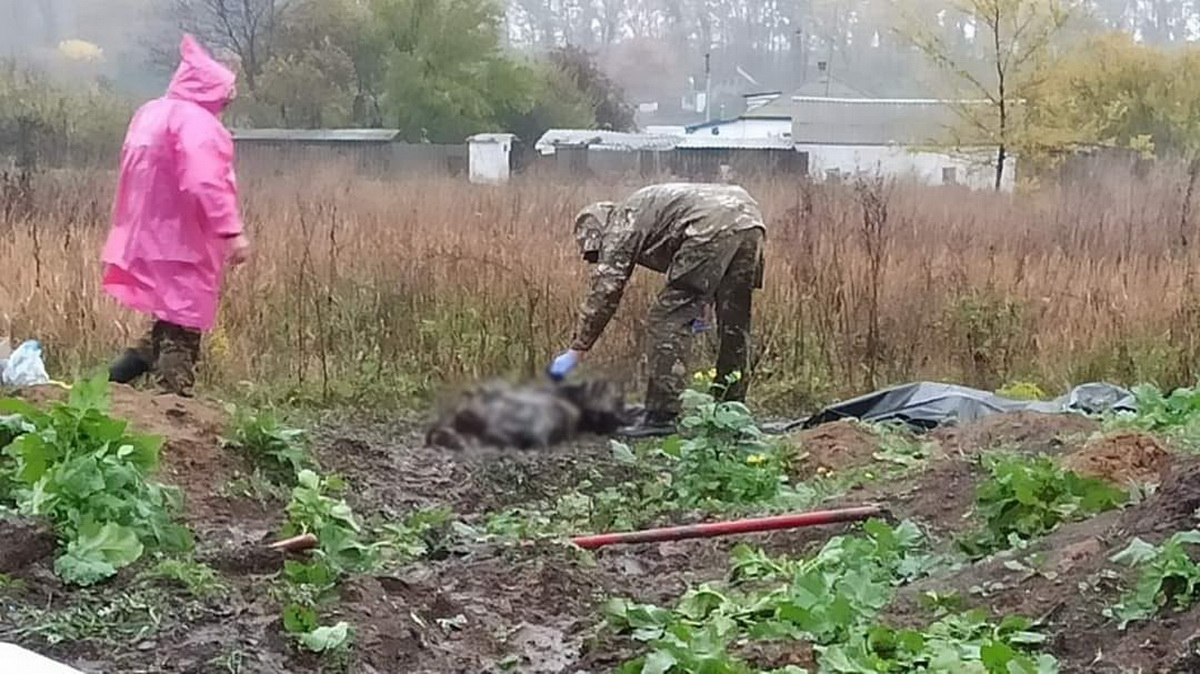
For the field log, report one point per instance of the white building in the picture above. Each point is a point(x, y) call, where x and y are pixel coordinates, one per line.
point(843, 131)
point(488, 158)
point(760, 122)
point(904, 138)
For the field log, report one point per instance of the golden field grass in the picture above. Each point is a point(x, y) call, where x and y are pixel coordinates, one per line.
point(371, 292)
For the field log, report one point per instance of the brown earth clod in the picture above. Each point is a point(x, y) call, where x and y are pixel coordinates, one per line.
point(835, 446)
point(1121, 458)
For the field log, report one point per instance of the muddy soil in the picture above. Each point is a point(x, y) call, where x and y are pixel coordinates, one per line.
point(535, 607)
point(832, 447)
point(1122, 458)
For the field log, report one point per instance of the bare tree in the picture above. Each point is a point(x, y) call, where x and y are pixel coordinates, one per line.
point(247, 28)
point(1014, 38)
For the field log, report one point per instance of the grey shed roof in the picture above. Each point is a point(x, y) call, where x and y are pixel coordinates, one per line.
point(317, 135)
point(603, 140)
point(783, 106)
point(874, 121)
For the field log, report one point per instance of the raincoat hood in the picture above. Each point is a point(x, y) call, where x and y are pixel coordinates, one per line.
point(200, 78)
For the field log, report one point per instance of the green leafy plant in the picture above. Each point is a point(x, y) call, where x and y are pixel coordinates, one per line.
point(86, 473)
point(823, 600)
point(722, 456)
point(313, 510)
point(304, 589)
point(898, 446)
point(1022, 390)
point(199, 580)
point(966, 642)
point(1177, 414)
point(1167, 576)
point(420, 533)
point(280, 451)
point(1027, 497)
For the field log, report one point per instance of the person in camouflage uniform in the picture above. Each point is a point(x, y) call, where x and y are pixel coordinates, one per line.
point(708, 241)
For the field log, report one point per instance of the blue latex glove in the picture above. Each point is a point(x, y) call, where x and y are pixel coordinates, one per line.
point(563, 365)
point(700, 324)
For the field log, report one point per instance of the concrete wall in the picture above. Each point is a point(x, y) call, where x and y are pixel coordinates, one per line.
point(976, 171)
point(382, 159)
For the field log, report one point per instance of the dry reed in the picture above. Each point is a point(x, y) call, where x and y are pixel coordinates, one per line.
point(371, 292)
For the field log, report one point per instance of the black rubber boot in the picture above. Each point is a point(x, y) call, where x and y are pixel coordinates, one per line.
point(128, 367)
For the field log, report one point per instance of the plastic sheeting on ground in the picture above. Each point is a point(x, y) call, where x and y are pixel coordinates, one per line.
point(927, 405)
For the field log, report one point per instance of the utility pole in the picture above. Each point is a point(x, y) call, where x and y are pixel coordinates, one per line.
point(707, 88)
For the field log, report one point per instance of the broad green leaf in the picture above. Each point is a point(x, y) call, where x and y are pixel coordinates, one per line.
point(98, 553)
point(622, 454)
point(21, 408)
point(299, 619)
point(308, 479)
point(1137, 552)
point(33, 456)
point(324, 639)
point(659, 662)
point(90, 394)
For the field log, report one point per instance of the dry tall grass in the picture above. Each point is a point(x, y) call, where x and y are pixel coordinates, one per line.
point(369, 291)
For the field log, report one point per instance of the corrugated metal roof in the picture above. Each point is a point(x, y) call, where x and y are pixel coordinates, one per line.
point(317, 135)
point(603, 140)
point(825, 87)
point(873, 121)
point(704, 141)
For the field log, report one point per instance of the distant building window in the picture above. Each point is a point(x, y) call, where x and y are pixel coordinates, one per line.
point(950, 175)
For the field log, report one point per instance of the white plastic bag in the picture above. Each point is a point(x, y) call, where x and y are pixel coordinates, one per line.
point(16, 659)
point(25, 366)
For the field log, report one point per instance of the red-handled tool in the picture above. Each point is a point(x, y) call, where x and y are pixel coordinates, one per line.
point(713, 529)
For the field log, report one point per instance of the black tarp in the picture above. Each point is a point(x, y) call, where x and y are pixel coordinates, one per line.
point(927, 405)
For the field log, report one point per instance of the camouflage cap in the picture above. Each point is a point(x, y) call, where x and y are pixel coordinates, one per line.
point(590, 225)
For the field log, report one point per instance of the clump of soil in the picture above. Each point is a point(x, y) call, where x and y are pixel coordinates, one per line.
point(23, 542)
point(1029, 432)
point(1174, 506)
point(832, 447)
point(1121, 458)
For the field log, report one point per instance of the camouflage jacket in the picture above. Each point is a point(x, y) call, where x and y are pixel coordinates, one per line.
point(648, 228)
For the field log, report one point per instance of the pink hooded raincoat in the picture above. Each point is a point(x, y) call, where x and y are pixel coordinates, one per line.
point(177, 205)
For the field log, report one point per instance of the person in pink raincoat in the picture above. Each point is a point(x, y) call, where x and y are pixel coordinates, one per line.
point(176, 222)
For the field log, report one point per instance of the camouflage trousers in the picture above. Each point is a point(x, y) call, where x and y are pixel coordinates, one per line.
point(728, 271)
point(171, 352)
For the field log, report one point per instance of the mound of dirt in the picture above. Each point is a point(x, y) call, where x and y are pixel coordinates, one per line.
point(24, 542)
point(1029, 432)
point(1067, 580)
point(192, 457)
point(832, 447)
point(1174, 505)
point(1121, 458)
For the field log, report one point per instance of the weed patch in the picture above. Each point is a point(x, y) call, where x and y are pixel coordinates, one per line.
point(278, 451)
point(1028, 497)
point(832, 601)
point(89, 476)
point(1166, 575)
